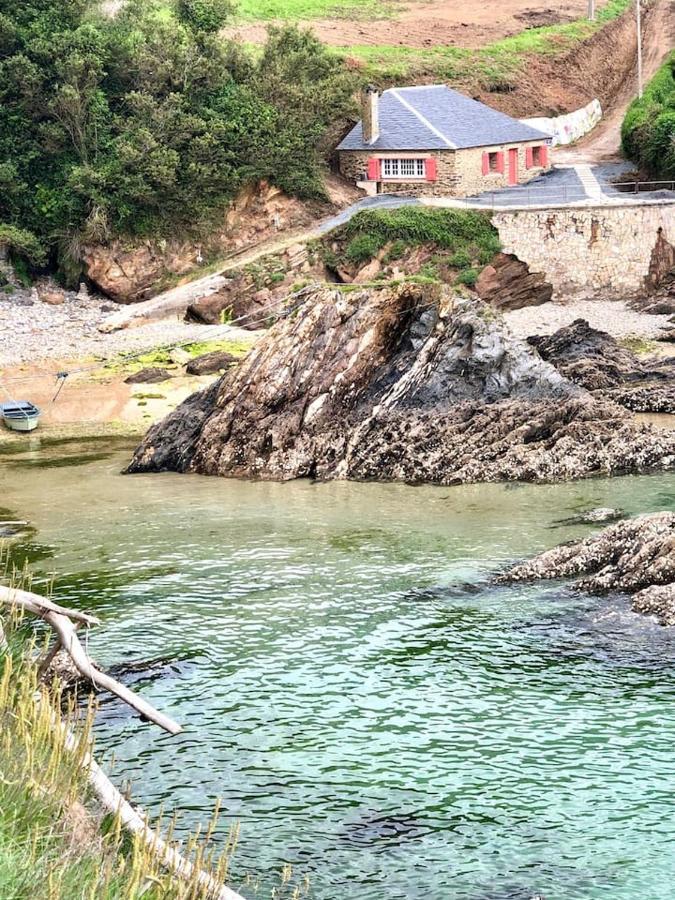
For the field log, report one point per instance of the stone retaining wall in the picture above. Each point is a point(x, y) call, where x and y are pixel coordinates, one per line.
point(608, 252)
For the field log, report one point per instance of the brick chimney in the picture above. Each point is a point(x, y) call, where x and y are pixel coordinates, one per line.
point(370, 114)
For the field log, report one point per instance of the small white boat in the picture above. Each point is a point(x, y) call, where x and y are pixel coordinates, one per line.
point(20, 415)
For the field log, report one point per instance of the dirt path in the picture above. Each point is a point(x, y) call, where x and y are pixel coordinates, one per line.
point(604, 143)
point(422, 24)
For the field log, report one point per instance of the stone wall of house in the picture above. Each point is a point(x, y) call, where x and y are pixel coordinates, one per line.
point(459, 172)
point(470, 169)
point(604, 252)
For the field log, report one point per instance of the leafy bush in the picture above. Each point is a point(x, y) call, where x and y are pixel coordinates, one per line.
point(455, 229)
point(363, 247)
point(468, 277)
point(21, 242)
point(469, 234)
point(205, 15)
point(461, 259)
point(648, 130)
point(396, 251)
point(148, 123)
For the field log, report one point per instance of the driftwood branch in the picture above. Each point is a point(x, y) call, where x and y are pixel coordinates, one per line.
point(60, 619)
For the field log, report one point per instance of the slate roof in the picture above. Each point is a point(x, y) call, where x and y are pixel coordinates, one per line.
point(434, 117)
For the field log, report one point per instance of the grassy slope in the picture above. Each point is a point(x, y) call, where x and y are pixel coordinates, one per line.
point(493, 64)
point(295, 10)
point(460, 242)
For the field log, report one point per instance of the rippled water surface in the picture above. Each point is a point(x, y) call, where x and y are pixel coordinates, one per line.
point(368, 707)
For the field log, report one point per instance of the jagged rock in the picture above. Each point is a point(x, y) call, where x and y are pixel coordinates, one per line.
point(595, 361)
point(507, 283)
point(52, 295)
point(659, 601)
point(179, 357)
point(130, 271)
point(369, 272)
point(629, 556)
point(209, 363)
point(401, 383)
point(238, 300)
point(152, 375)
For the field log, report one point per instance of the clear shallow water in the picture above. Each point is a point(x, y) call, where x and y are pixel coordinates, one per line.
point(369, 708)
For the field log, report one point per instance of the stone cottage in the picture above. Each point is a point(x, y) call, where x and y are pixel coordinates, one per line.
point(433, 140)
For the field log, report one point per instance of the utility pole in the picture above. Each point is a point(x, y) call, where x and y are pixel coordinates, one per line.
point(591, 10)
point(639, 46)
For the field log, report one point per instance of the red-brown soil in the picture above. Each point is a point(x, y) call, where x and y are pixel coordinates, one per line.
point(602, 66)
point(455, 23)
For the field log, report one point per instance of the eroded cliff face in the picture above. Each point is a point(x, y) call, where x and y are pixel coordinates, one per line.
point(406, 383)
point(130, 271)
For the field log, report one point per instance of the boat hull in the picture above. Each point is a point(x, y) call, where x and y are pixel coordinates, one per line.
point(20, 415)
point(26, 424)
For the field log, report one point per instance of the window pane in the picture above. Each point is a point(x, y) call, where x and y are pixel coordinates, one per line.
point(421, 168)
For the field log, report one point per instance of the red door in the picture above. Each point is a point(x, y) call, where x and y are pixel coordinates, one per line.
point(513, 166)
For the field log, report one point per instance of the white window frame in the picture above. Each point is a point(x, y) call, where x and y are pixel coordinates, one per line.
point(403, 168)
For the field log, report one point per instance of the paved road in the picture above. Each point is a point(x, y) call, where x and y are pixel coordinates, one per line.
point(563, 185)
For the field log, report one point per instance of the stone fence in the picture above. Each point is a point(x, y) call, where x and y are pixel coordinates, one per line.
point(605, 252)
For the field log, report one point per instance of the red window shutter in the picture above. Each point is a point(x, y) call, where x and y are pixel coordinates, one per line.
point(486, 163)
point(500, 162)
point(431, 170)
point(528, 157)
point(544, 155)
point(373, 169)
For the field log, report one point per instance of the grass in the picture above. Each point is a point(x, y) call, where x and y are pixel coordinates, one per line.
point(456, 244)
point(648, 130)
point(294, 10)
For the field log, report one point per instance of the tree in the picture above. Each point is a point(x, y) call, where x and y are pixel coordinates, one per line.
point(205, 15)
point(147, 124)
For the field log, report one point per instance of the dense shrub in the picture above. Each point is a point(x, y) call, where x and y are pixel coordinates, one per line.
point(148, 123)
point(454, 229)
point(363, 247)
point(470, 235)
point(648, 131)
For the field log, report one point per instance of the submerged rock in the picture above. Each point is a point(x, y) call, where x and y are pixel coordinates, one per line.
point(634, 555)
point(597, 516)
point(403, 383)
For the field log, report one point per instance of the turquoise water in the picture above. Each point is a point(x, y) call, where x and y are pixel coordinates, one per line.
point(366, 704)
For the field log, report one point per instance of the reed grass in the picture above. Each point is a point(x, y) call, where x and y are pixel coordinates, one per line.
point(54, 842)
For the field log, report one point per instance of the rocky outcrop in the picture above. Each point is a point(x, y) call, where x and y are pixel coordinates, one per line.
point(507, 283)
point(131, 271)
point(659, 601)
point(400, 383)
point(151, 375)
point(595, 361)
point(636, 556)
point(210, 363)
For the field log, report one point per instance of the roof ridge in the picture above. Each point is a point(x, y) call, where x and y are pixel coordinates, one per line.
point(423, 119)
